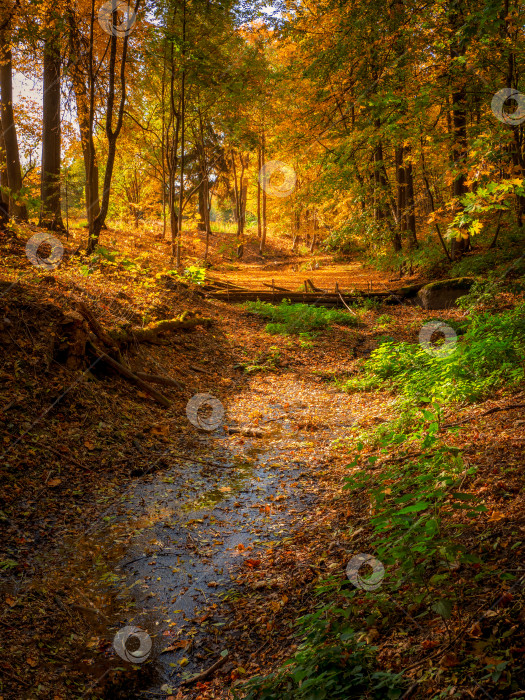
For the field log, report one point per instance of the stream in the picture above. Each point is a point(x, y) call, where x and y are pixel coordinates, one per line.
point(179, 537)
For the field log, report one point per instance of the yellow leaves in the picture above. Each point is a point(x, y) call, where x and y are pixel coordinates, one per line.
point(475, 228)
point(496, 516)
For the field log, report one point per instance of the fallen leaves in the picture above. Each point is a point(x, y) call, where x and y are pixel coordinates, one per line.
point(252, 563)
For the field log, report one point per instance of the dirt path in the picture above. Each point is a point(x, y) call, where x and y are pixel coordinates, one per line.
point(321, 270)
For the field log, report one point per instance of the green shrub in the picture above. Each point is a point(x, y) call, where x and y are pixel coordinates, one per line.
point(330, 664)
point(294, 319)
point(488, 356)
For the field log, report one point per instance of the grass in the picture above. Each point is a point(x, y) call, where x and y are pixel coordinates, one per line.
point(296, 319)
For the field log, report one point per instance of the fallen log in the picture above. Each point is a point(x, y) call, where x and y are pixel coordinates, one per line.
point(322, 299)
point(159, 379)
point(128, 374)
point(274, 286)
point(153, 330)
point(313, 287)
point(329, 299)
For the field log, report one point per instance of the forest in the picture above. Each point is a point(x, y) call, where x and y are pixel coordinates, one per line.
point(262, 333)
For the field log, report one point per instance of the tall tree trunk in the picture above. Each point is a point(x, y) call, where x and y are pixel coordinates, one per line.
point(459, 120)
point(163, 144)
point(401, 188)
point(182, 131)
point(172, 148)
point(238, 216)
point(112, 134)
point(511, 81)
point(81, 86)
point(431, 198)
point(50, 213)
point(259, 166)
point(296, 229)
point(14, 173)
point(4, 183)
point(204, 190)
point(262, 242)
point(409, 203)
point(381, 188)
point(4, 199)
point(207, 215)
point(201, 226)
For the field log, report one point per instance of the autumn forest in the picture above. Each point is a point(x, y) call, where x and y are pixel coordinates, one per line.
point(262, 340)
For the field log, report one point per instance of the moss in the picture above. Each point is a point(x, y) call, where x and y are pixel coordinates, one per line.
point(409, 291)
point(455, 283)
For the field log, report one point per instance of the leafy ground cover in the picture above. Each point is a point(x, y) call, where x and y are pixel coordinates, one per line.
point(295, 319)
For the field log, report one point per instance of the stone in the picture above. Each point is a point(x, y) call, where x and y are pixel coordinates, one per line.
point(444, 293)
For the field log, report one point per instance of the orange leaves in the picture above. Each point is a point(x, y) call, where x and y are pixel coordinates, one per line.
point(253, 563)
point(496, 516)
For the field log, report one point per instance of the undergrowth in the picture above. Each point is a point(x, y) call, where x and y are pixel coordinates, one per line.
point(330, 664)
point(423, 509)
point(294, 319)
point(488, 356)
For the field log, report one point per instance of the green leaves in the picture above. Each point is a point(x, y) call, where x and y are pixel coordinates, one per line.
point(294, 319)
point(443, 607)
point(422, 505)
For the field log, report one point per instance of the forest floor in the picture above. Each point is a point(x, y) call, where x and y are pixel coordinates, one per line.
point(117, 511)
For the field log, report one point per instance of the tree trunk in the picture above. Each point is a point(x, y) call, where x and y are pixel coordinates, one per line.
point(201, 226)
point(14, 173)
point(262, 242)
point(381, 186)
point(4, 199)
point(259, 226)
point(50, 213)
point(112, 134)
point(296, 229)
point(182, 134)
point(459, 123)
point(80, 80)
point(409, 204)
point(401, 188)
point(508, 33)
